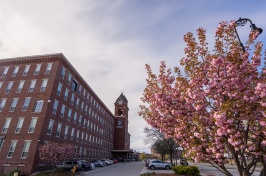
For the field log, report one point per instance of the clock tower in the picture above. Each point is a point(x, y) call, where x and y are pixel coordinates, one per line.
point(121, 136)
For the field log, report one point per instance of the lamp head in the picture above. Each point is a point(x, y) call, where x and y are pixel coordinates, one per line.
point(254, 27)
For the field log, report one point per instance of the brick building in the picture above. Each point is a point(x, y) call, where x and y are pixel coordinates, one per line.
point(43, 98)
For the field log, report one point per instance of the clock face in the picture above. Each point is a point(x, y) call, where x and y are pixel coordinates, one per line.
point(119, 123)
point(120, 102)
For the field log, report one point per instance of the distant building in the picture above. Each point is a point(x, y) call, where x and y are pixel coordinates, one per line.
point(43, 98)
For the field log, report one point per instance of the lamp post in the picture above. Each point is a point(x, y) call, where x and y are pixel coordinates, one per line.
point(241, 22)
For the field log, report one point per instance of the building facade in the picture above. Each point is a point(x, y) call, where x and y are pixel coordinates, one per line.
point(43, 98)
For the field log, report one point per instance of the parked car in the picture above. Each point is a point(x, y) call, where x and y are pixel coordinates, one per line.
point(156, 164)
point(97, 163)
point(92, 166)
point(121, 160)
point(85, 165)
point(70, 165)
point(148, 161)
point(110, 161)
point(105, 162)
point(115, 161)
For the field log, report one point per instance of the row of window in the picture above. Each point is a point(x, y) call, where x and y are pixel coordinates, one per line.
point(81, 121)
point(19, 125)
point(26, 70)
point(13, 145)
point(82, 153)
point(81, 136)
point(21, 84)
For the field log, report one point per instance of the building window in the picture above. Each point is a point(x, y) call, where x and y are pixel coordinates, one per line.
point(26, 70)
point(86, 138)
point(75, 152)
point(12, 149)
point(1, 142)
point(63, 110)
point(88, 125)
point(84, 123)
point(19, 124)
point(80, 120)
point(80, 152)
point(55, 106)
point(63, 72)
point(2, 104)
point(14, 74)
point(4, 72)
point(20, 86)
point(66, 94)
point(69, 79)
point(77, 103)
point(86, 109)
point(48, 68)
point(79, 91)
point(84, 153)
point(88, 97)
point(37, 69)
point(44, 84)
point(32, 85)
point(1, 83)
point(75, 118)
point(32, 124)
point(25, 149)
point(84, 93)
point(50, 127)
point(77, 139)
point(38, 106)
point(58, 131)
point(82, 137)
point(59, 88)
point(9, 86)
point(6, 125)
point(72, 99)
point(72, 133)
point(66, 132)
point(26, 104)
point(13, 105)
point(69, 114)
point(74, 86)
point(82, 106)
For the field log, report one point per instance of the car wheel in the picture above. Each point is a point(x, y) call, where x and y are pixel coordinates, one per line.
point(152, 167)
point(82, 169)
point(167, 167)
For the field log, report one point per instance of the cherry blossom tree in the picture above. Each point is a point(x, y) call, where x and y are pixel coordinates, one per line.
point(217, 105)
point(55, 153)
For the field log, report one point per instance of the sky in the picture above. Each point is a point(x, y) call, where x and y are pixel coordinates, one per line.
point(110, 41)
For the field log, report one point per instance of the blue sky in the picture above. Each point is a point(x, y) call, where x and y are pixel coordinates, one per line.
point(110, 41)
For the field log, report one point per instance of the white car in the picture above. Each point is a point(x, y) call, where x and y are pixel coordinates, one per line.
point(156, 164)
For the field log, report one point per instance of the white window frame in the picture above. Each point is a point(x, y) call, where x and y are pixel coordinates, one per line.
point(32, 85)
point(25, 149)
point(9, 86)
point(63, 108)
point(66, 132)
point(32, 124)
point(20, 86)
point(6, 125)
point(26, 104)
point(2, 104)
point(63, 72)
point(19, 124)
point(58, 130)
point(72, 133)
point(13, 105)
point(66, 94)
point(37, 69)
point(38, 106)
point(48, 68)
point(26, 70)
point(69, 114)
point(5, 72)
point(59, 89)
point(50, 127)
point(44, 84)
point(56, 102)
point(69, 79)
point(15, 71)
point(12, 148)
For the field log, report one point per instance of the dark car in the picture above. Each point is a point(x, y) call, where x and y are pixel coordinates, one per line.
point(97, 163)
point(121, 160)
point(85, 165)
point(71, 164)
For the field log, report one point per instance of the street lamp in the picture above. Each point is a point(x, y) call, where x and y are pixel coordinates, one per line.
point(241, 22)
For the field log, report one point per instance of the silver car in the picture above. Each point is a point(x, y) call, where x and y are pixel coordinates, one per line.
point(156, 164)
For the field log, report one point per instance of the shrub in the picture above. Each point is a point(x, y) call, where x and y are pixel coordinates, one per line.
point(186, 170)
point(2, 174)
point(12, 172)
point(148, 174)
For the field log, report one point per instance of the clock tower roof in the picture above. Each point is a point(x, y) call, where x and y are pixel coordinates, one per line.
point(121, 99)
